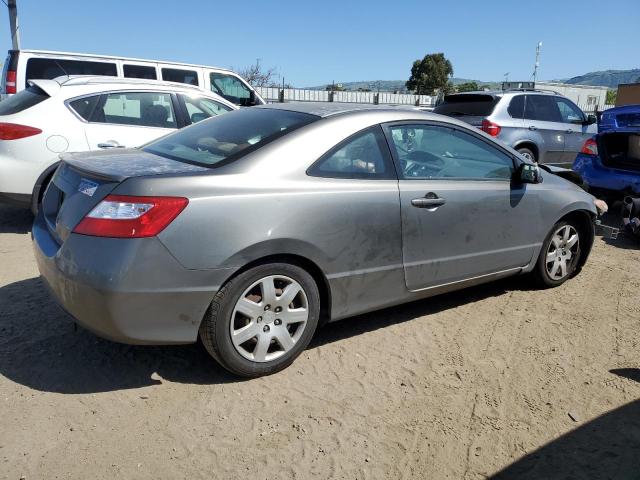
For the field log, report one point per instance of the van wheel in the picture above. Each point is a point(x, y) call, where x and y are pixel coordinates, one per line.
point(261, 320)
point(559, 256)
point(527, 153)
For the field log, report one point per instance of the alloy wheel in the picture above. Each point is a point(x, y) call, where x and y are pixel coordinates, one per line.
point(269, 318)
point(562, 253)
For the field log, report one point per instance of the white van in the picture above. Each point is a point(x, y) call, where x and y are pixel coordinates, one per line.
point(24, 65)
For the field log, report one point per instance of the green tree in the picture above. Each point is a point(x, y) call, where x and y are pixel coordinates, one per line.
point(430, 74)
point(611, 97)
point(468, 87)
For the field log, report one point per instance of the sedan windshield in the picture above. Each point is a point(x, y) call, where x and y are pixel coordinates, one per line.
point(219, 140)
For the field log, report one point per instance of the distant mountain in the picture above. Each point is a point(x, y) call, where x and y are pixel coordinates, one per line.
point(394, 85)
point(607, 78)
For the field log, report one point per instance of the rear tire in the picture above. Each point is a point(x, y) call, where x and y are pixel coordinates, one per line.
point(527, 153)
point(261, 320)
point(560, 255)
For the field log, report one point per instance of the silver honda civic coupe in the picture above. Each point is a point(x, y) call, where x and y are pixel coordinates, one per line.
point(253, 228)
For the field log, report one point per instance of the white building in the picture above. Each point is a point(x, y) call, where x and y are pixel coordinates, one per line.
point(587, 97)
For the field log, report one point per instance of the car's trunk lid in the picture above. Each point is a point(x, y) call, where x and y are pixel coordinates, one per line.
point(84, 179)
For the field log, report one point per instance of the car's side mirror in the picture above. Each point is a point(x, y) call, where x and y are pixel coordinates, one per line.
point(252, 99)
point(527, 173)
point(591, 119)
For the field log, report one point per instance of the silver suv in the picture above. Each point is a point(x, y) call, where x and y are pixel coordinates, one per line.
point(543, 126)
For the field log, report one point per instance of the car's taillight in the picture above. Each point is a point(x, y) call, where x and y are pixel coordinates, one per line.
point(10, 83)
point(13, 131)
point(124, 216)
point(491, 128)
point(590, 147)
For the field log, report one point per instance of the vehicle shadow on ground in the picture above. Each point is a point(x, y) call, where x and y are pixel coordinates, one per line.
point(606, 447)
point(41, 348)
point(15, 220)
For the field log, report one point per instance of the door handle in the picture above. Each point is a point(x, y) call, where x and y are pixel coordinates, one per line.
point(430, 200)
point(532, 127)
point(568, 131)
point(110, 144)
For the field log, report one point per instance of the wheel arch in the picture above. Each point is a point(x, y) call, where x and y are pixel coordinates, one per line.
point(584, 221)
point(306, 264)
point(530, 145)
point(42, 181)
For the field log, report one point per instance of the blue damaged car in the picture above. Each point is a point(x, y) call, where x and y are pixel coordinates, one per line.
point(610, 162)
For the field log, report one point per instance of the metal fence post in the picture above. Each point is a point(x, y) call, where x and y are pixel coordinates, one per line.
point(281, 95)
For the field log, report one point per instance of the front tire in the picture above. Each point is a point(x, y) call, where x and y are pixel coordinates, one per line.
point(559, 256)
point(261, 320)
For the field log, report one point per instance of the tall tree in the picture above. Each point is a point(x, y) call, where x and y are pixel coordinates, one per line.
point(430, 74)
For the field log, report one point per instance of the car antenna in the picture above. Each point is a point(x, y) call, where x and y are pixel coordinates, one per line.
point(63, 70)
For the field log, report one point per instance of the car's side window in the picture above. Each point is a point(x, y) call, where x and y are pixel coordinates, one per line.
point(439, 152)
point(147, 109)
point(84, 106)
point(516, 107)
point(364, 155)
point(230, 88)
point(139, 71)
point(179, 75)
point(201, 108)
point(569, 112)
point(541, 107)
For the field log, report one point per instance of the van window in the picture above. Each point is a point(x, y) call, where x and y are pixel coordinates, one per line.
point(230, 88)
point(49, 68)
point(22, 100)
point(140, 71)
point(145, 109)
point(181, 76)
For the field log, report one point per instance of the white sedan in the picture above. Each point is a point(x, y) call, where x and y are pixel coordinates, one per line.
point(72, 114)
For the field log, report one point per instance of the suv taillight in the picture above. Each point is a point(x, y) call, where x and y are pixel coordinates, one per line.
point(125, 216)
point(14, 131)
point(491, 128)
point(10, 82)
point(590, 147)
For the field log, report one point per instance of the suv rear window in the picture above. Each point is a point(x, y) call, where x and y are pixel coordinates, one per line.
point(22, 100)
point(469, 105)
point(49, 68)
point(219, 140)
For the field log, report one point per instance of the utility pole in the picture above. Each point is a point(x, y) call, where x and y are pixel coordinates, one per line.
point(535, 67)
point(13, 23)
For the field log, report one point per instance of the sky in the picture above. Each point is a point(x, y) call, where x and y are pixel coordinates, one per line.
point(315, 43)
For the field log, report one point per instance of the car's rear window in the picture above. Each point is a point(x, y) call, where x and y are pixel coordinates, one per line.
point(469, 105)
point(27, 98)
point(224, 138)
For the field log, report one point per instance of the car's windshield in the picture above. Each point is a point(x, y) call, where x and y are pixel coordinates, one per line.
point(227, 137)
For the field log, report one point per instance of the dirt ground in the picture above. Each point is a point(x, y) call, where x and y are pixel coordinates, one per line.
point(495, 380)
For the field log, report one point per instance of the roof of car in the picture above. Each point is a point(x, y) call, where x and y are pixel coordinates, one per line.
point(327, 109)
point(112, 57)
point(499, 93)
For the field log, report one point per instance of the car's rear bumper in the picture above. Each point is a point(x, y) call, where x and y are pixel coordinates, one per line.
point(599, 177)
point(126, 290)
